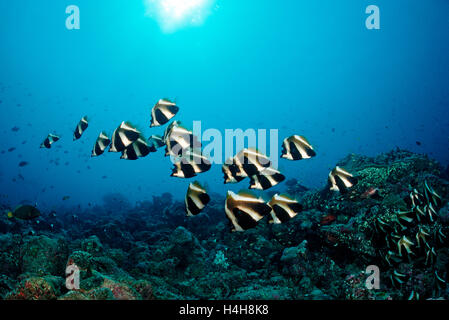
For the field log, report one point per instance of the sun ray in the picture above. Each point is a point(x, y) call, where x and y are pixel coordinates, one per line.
point(175, 14)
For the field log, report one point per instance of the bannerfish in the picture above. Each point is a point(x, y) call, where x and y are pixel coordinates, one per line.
point(341, 180)
point(157, 141)
point(297, 148)
point(137, 149)
point(101, 144)
point(190, 165)
point(24, 212)
point(180, 139)
point(196, 199)
point(251, 162)
point(123, 137)
point(284, 208)
point(162, 112)
point(51, 138)
point(266, 179)
point(80, 128)
point(230, 171)
point(244, 210)
point(169, 128)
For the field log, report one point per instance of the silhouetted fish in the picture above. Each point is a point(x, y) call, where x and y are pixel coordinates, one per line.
point(23, 164)
point(24, 212)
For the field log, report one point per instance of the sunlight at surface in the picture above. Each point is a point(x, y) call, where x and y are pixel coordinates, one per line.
point(175, 14)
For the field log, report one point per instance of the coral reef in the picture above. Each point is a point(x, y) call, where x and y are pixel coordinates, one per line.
point(396, 218)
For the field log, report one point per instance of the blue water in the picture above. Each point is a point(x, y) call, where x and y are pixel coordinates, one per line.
point(302, 67)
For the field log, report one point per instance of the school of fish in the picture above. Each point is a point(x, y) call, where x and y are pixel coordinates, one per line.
point(243, 209)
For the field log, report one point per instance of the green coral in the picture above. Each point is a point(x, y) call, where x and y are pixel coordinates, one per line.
point(220, 260)
point(42, 255)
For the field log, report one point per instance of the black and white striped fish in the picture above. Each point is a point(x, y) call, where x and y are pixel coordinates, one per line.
point(51, 138)
point(80, 128)
point(283, 208)
point(101, 144)
point(191, 164)
point(230, 171)
point(248, 162)
point(341, 180)
point(297, 148)
point(169, 128)
point(162, 112)
point(123, 137)
point(251, 162)
point(244, 210)
point(196, 199)
point(138, 149)
point(266, 179)
point(178, 140)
